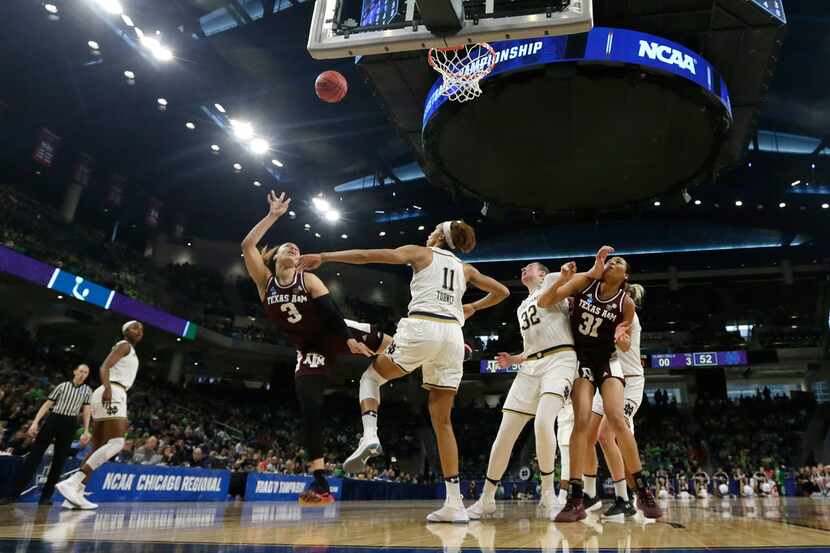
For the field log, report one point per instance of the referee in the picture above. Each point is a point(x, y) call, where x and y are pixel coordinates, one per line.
point(66, 401)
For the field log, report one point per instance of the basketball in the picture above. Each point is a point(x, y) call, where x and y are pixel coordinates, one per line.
point(331, 86)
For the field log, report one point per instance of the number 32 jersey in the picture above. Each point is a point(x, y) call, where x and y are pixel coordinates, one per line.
point(544, 328)
point(594, 322)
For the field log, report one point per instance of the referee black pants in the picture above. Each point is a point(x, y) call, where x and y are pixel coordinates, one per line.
point(59, 429)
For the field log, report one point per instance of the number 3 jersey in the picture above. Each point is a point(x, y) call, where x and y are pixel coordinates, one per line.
point(594, 322)
point(544, 328)
point(317, 340)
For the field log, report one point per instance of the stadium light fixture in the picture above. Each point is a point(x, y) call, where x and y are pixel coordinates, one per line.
point(698, 202)
point(237, 167)
point(190, 125)
point(259, 146)
point(277, 162)
point(331, 215)
point(162, 101)
point(111, 6)
point(292, 214)
point(421, 227)
point(382, 233)
point(139, 33)
point(795, 183)
point(127, 21)
point(219, 107)
point(738, 203)
point(93, 45)
point(657, 204)
point(215, 147)
point(825, 206)
point(320, 204)
point(317, 234)
point(51, 8)
point(257, 183)
point(344, 236)
point(242, 129)
point(782, 205)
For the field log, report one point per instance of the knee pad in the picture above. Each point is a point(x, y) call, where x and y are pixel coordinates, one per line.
point(370, 383)
point(106, 452)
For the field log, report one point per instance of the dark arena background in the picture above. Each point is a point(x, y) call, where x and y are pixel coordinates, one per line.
point(141, 139)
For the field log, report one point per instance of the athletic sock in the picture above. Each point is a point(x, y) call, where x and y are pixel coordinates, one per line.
point(590, 482)
point(453, 484)
point(370, 423)
point(621, 489)
point(490, 487)
point(639, 481)
point(576, 488)
point(547, 482)
point(77, 479)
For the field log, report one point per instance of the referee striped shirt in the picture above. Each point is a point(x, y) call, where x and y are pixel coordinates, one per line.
point(69, 399)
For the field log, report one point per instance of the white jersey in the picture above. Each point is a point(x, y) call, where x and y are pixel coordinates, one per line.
point(437, 289)
point(544, 328)
point(632, 363)
point(125, 369)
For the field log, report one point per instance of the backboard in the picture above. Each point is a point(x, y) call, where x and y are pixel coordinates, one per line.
point(348, 28)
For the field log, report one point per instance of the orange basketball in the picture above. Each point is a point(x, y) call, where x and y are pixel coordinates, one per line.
point(331, 86)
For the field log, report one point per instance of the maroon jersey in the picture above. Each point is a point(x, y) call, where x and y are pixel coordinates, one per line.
point(294, 312)
point(318, 344)
point(594, 322)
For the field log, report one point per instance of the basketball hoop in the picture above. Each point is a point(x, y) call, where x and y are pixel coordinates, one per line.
point(462, 68)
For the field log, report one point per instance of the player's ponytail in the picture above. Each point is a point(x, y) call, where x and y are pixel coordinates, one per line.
point(636, 292)
point(463, 236)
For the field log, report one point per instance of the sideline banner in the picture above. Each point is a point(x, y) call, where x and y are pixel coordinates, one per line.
point(282, 487)
point(120, 482)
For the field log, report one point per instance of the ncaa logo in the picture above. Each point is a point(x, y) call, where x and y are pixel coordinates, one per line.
point(668, 55)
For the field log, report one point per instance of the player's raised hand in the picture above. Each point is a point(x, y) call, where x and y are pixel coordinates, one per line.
point(598, 270)
point(277, 205)
point(568, 269)
point(359, 348)
point(309, 261)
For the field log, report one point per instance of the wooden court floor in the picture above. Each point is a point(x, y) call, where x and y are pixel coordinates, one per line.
point(765, 524)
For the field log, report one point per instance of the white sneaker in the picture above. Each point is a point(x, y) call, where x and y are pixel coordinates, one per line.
point(547, 501)
point(562, 498)
point(449, 513)
point(68, 505)
point(481, 509)
point(368, 447)
point(74, 495)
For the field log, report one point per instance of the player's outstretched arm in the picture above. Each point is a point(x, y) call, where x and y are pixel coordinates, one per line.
point(496, 291)
point(565, 287)
point(331, 313)
point(417, 256)
point(257, 270)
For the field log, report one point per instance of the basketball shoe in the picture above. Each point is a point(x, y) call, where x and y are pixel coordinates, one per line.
point(481, 509)
point(450, 512)
point(646, 503)
point(368, 447)
point(573, 511)
point(592, 503)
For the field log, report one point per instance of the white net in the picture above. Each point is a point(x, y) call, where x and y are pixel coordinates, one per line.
point(462, 68)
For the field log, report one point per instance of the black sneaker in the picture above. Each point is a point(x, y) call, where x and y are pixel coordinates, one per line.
point(630, 509)
point(617, 510)
point(591, 503)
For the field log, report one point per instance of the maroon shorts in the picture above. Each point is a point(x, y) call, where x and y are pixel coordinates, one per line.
point(318, 359)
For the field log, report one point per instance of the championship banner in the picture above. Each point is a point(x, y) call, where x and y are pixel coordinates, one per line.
point(119, 482)
point(281, 487)
point(83, 170)
point(46, 148)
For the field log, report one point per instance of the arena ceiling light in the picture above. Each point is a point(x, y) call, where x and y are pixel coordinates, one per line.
point(139, 33)
point(219, 107)
point(259, 146)
point(782, 205)
point(237, 167)
point(159, 51)
point(292, 214)
point(320, 204)
point(738, 203)
point(257, 183)
point(215, 147)
point(795, 183)
point(825, 206)
point(190, 125)
point(657, 204)
point(698, 202)
point(51, 8)
point(331, 215)
point(242, 129)
point(277, 162)
point(382, 233)
point(93, 45)
point(111, 6)
point(317, 234)
point(129, 74)
point(421, 227)
point(344, 236)
point(127, 21)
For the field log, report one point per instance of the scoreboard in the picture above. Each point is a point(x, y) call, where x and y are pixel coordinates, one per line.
point(699, 359)
point(773, 7)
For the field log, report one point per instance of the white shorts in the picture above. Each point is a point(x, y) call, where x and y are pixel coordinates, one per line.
point(565, 425)
point(550, 375)
point(435, 347)
point(116, 410)
point(633, 394)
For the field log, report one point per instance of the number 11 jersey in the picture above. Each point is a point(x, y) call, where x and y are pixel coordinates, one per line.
point(544, 328)
point(594, 322)
point(438, 288)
